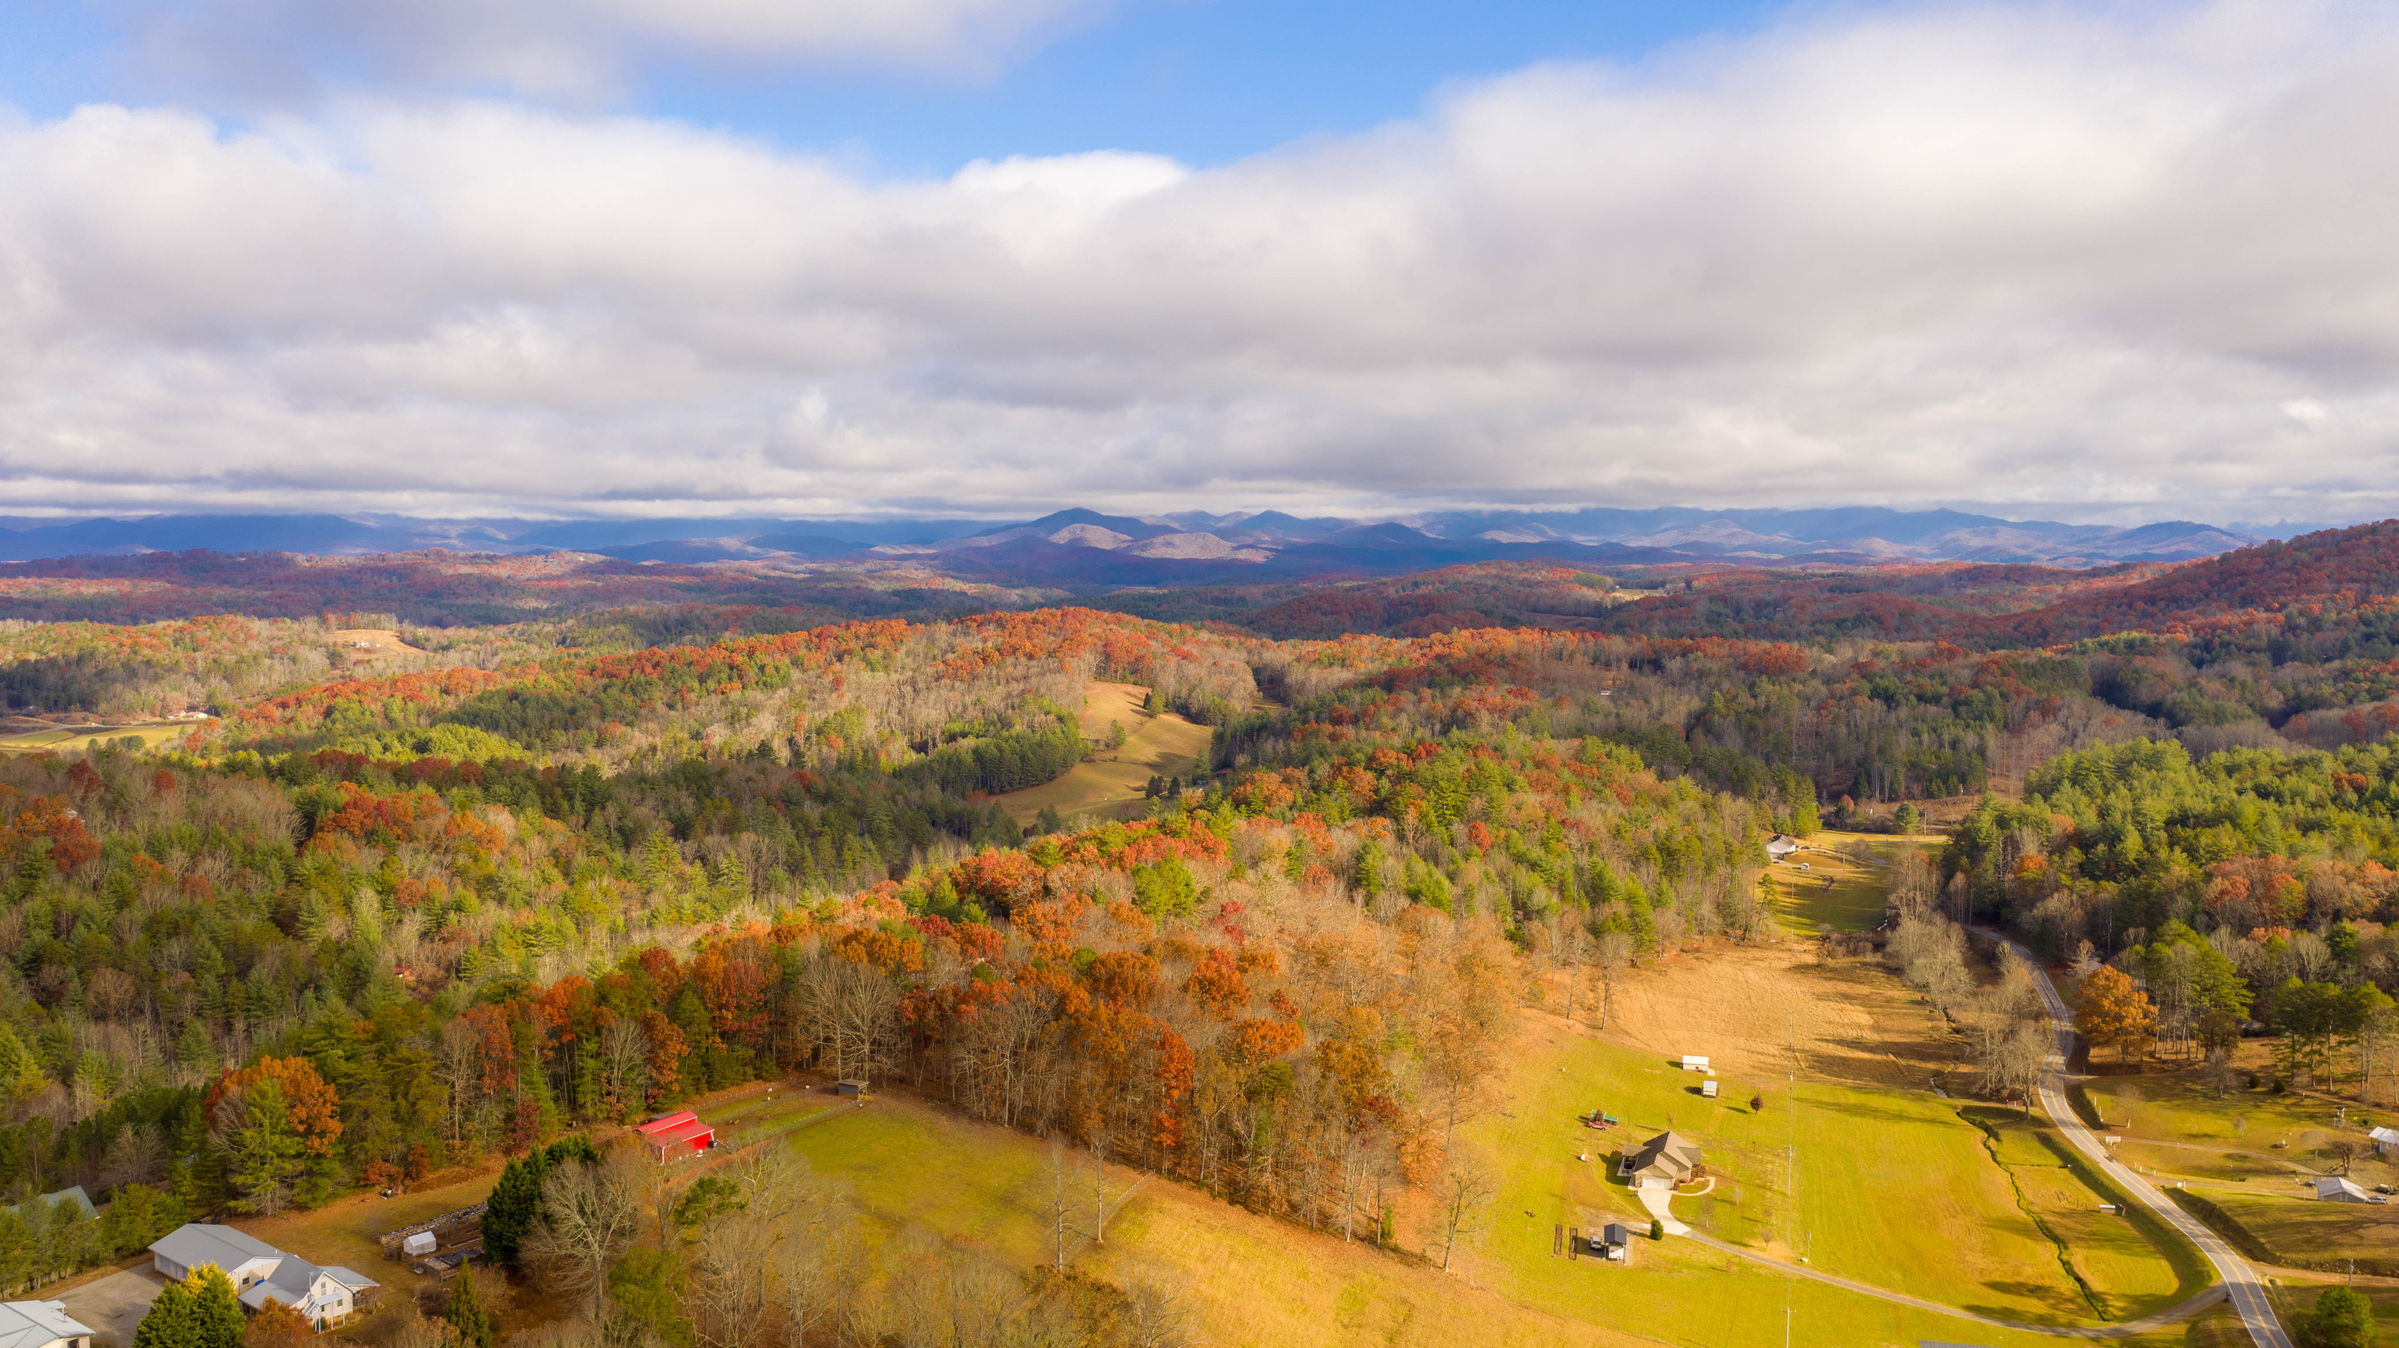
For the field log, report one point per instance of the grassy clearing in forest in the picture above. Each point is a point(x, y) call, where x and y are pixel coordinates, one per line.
point(152, 735)
point(1110, 781)
point(1854, 900)
point(1894, 1189)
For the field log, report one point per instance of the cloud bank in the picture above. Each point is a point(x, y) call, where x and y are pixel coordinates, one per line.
point(2137, 258)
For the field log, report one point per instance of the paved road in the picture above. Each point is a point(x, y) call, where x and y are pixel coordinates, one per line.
point(2248, 1291)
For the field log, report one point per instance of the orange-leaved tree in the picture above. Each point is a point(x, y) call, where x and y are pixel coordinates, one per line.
point(2115, 1011)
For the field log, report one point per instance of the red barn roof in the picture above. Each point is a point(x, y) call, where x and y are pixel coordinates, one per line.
point(666, 1121)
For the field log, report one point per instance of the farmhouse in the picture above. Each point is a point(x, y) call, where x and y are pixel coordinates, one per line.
point(1781, 846)
point(260, 1272)
point(41, 1324)
point(1662, 1162)
point(2343, 1191)
point(323, 1296)
point(2385, 1140)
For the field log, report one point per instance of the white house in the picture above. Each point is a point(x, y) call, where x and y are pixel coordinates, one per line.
point(41, 1324)
point(323, 1296)
point(260, 1272)
point(2385, 1140)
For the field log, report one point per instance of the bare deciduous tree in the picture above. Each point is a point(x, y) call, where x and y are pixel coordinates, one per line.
point(1460, 1196)
point(624, 1064)
point(589, 1218)
point(821, 1269)
point(730, 1281)
point(1158, 1312)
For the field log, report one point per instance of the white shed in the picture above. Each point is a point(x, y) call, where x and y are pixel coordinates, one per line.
point(1695, 1062)
point(420, 1243)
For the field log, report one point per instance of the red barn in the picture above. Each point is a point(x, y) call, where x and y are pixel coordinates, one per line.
point(676, 1135)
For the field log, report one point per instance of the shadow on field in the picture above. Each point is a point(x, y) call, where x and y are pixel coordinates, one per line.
point(2058, 1307)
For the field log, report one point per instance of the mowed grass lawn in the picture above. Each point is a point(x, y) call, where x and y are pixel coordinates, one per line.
point(1854, 900)
point(1257, 1280)
point(2175, 1124)
point(1894, 1189)
point(2308, 1228)
point(1110, 782)
point(2131, 1260)
point(1263, 1281)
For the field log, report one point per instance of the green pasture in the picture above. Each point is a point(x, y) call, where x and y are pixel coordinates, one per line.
point(1266, 1281)
point(1257, 1280)
point(1854, 901)
point(2296, 1227)
point(2175, 1124)
point(1893, 1189)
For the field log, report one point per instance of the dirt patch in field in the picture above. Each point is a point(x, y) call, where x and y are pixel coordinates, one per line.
point(1750, 1009)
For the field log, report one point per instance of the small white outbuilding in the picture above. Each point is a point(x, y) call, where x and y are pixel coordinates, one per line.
point(420, 1243)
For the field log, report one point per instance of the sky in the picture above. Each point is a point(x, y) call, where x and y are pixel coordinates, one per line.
point(2100, 261)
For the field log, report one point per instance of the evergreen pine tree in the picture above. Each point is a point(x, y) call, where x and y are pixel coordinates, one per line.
point(267, 1152)
point(515, 1201)
point(470, 1325)
point(170, 1322)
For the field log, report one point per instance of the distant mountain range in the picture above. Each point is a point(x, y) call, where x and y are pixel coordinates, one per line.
point(1084, 548)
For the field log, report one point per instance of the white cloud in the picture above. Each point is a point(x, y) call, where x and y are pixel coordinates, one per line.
point(2041, 257)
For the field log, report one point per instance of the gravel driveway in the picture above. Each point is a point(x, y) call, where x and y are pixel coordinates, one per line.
point(113, 1305)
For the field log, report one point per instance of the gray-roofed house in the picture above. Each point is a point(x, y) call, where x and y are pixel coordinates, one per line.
point(323, 1296)
point(244, 1258)
point(2385, 1140)
point(41, 1324)
point(1662, 1162)
point(1781, 846)
point(261, 1273)
point(73, 1193)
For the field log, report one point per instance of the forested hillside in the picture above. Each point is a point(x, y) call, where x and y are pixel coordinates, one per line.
point(407, 921)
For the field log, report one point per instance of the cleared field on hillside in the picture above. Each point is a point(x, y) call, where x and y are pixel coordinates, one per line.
point(152, 734)
point(1257, 1280)
point(1750, 1007)
point(1109, 783)
point(1893, 1188)
point(1853, 898)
